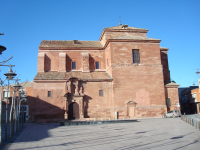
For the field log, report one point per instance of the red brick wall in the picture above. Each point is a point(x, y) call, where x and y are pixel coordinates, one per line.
point(142, 82)
point(51, 60)
point(43, 107)
point(172, 93)
point(109, 35)
point(95, 105)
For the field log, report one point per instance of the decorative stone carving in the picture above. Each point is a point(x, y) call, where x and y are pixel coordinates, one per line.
point(131, 103)
point(69, 87)
point(131, 108)
point(81, 91)
point(76, 88)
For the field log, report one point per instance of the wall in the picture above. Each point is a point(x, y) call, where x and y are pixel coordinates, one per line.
point(142, 82)
point(164, 61)
point(172, 93)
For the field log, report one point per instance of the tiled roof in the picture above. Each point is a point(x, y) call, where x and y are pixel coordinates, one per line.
point(127, 28)
point(129, 37)
point(25, 84)
point(100, 75)
point(69, 44)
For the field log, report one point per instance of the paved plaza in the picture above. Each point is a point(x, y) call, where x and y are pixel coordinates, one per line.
point(158, 133)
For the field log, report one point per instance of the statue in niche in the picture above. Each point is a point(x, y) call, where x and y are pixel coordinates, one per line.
point(76, 88)
point(69, 87)
point(81, 90)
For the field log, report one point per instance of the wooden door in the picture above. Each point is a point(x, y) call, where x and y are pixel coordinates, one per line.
point(73, 111)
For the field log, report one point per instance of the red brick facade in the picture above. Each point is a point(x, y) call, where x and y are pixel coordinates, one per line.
point(105, 79)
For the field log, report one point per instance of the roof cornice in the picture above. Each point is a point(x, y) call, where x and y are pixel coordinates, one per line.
point(130, 40)
point(164, 49)
point(70, 48)
point(123, 30)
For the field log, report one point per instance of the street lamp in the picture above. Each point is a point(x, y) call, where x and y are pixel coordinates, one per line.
point(24, 99)
point(2, 48)
point(16, 87)
point(9, 76)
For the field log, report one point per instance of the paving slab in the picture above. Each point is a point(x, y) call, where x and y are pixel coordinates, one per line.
point(170, 133)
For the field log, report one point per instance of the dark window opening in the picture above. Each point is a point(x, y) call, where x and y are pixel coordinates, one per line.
point(73, 65)
point(97, 64)
point(136, 56)
point(49, 93)
point(100, 92)
point(168, 101)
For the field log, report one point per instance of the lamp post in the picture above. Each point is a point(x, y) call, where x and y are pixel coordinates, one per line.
point(9, 76)
point(24, 99)
point(16, 87)
point(1, 107)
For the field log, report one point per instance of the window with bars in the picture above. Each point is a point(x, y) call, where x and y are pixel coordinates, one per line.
point(136, 56)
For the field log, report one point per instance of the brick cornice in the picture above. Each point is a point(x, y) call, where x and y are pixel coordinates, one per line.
point(123, 30)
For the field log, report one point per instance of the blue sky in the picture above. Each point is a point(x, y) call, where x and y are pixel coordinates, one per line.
point(25, 23)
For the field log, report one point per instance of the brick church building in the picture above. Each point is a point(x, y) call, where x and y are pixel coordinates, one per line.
point(124, 73)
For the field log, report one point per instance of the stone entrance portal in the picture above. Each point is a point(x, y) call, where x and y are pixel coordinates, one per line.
point(73, 111)
point(131, 108)
point(74, 100)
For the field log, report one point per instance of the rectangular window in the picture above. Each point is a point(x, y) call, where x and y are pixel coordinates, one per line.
point(136, 56)
point(73, 65)
point(5, 94)
point(49, 93)
point(168, 102)
point(100, 92)
point(97, 65)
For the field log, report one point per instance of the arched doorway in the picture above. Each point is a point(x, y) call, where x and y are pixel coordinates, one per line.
point(73, 111)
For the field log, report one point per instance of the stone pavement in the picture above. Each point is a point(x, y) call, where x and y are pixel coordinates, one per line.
point(170, 133)
point(194, 116)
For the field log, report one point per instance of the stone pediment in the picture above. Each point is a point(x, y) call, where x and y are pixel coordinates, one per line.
point(131, 102)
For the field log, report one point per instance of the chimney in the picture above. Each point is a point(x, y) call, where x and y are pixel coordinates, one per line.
point(75, 41)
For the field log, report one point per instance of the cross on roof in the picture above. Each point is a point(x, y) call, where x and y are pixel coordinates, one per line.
point(120, 21)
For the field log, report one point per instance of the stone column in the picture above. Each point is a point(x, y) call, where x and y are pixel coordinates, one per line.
point(66, 109)
point(81, 108)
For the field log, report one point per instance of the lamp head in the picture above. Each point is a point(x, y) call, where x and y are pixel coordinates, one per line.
point(10, 75)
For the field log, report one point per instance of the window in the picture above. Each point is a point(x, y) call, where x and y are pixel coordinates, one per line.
point(168, 101)
point(6, 94)
point(100, 92)
point(136, 56)
point(97, 65)
point(49, 93)
point(73, 65)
